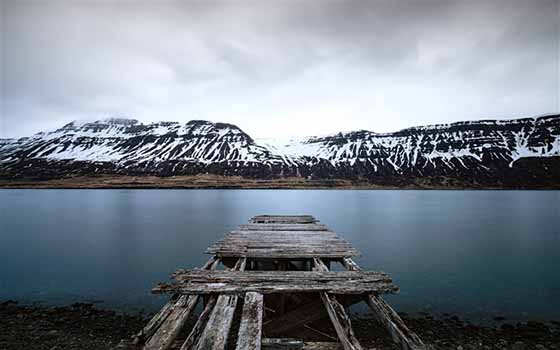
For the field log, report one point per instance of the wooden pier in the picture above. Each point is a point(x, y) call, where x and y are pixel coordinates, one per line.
point(267, 280)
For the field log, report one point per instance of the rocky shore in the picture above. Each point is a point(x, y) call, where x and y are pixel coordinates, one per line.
point(82, 326)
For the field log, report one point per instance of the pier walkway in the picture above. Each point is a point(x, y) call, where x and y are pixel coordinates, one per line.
point(265, 281)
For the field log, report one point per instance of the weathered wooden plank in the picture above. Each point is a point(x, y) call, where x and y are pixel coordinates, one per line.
point(215, 333)
point(381, 287)
point(283, 244)
point(196, 332)
point(294, 344)
point(338, 316)
point(250, 329)
point(280, 254)
point(226, 276)
point(302, 216)
point(299, 219)
point(156, 321)
point(168, 309)
point(283, 227)
point(235, 282)
point(384, 314)
point(170, 328)
point(277, 232)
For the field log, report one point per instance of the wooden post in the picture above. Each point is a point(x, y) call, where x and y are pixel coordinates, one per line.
point(167, 324)
point(214, 336)
point(282, 266)
point(384, 314)
point(339, 318)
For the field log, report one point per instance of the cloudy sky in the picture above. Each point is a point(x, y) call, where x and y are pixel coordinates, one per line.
point(277, 68)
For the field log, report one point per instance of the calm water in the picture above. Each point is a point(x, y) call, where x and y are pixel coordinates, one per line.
point(467, 252)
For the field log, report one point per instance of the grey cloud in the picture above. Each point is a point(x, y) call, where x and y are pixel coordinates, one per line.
point(253, 62)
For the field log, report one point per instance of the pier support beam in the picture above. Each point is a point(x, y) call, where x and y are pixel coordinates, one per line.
point(214, 336)
point(384, 314)
point(166, 325)
point(338, 316)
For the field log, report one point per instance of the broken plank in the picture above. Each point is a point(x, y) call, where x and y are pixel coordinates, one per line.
point(338, 316)
point(171, 306)
point(195, 333)
point(223, 276)
point(236, 282)
point(384, 314)
point(298, 219)
point(294, 344)
point(283, 227)
point(215, 333)
point(250, 329)
point(283, 254)
point(168, 331)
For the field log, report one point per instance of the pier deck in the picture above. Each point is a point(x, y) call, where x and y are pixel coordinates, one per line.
point(265, 280)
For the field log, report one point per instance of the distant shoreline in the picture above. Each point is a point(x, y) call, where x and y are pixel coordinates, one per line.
point(237, 182)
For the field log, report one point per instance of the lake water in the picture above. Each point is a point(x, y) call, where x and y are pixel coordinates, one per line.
point(474, 253)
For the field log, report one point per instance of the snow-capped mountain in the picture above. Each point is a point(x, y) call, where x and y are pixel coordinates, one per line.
point(517, 152)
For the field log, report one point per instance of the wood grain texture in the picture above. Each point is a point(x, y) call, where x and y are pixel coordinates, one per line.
point(282, 241)
point(216, 331)
point(295, 344)
point(165, 335)
point(266, 282)
point(196, 332)
point(250, 329)
point(283, 227)
point(280, 219)
point(164, 327)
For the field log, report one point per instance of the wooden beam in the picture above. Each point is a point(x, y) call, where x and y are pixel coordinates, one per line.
point(195, 333)
point(282, 265)
point(384, 314)
point(338, 316)
point(250, 329)
point(283, 227)
point(294, 344)
point(215, 333)
point(235, 282)
point(164, 327)
point(294, 219)
point(156, 321)
point(165, 335)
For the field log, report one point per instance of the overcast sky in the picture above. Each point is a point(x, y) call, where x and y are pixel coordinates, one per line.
point(277, 68)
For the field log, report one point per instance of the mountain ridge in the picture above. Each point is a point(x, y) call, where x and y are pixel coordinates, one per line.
point(523, 152)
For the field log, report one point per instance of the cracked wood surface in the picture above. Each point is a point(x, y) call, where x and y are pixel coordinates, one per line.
point(250, 329)
point(216, 331)
point(280, 219)
point(235, 282)
point(282, 241)
point(165, 326)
